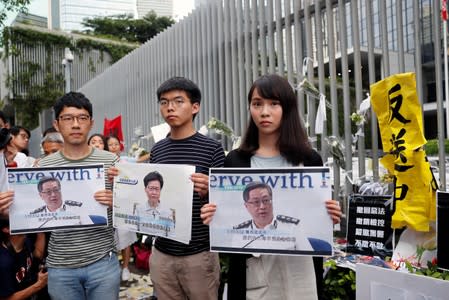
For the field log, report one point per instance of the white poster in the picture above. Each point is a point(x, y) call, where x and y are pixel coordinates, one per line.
point(54, 198)
point(154, 199)
point(374, 283)
point(277, 211)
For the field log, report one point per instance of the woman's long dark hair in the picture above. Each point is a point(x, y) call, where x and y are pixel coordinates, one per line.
point(293, 142)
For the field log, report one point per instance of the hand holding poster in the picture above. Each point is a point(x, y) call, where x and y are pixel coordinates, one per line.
point(277, 211)
point(56, 198)
point(154, 199)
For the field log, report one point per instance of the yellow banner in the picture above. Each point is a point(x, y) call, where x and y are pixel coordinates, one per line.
point(398, 111)
point(396, 104)
point(415, 201)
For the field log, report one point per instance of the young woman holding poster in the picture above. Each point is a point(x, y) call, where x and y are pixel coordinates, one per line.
point(275, 138)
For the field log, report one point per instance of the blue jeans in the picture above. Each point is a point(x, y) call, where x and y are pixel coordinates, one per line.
point(97, 281)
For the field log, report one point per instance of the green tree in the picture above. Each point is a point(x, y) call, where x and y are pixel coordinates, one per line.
point(124, 27)
point(11, 6)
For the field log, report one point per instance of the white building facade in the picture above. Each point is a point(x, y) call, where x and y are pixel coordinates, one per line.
point(68, 15)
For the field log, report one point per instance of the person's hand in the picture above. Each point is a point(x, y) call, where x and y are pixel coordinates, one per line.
point(208, 212)
point(334, 210)
point(112, 172)
point(42, 279)
point(104, 197)
point(6, 199)
point(200, 183)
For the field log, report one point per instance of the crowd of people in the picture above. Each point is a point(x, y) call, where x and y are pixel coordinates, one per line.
point(83, 264)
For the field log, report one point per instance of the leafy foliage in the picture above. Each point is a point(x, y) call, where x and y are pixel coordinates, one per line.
point(431, 147)
point(11, 6)
point(432, 270)
point(339, 282)
point(124, 27)
point(36, 94)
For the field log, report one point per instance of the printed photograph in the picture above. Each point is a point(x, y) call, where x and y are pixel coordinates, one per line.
point(271, 211)
point(154, 199)
point(49, 199)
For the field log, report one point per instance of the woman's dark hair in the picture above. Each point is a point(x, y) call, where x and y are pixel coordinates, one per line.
point(293, 142)
point(15, 130)
point(100, 136)
point(106, 140)
point(152, 176)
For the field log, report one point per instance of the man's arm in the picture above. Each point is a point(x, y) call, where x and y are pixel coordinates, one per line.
point(39, 246)
point(41, 282)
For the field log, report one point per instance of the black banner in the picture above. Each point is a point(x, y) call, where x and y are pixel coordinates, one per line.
point(369, 225)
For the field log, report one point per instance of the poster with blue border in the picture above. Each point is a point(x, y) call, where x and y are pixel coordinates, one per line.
point(271, 211)
point(56, 198)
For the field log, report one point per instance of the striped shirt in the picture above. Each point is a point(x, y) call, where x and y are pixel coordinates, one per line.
point(203, 153)
point(78, 248)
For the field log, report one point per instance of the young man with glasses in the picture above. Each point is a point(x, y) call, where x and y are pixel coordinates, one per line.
point(186, 271)
point(82, 264)
point(17, 149)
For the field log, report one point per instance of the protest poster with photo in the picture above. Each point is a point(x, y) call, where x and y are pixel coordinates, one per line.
point(271, 211)
point(54, 198)
point(154, 199)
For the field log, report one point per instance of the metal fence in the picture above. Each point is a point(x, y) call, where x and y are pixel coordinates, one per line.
point(224, 45)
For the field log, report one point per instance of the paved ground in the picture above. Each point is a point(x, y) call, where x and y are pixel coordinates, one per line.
point(139, 287)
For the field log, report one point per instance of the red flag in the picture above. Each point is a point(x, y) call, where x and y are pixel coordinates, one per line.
point(114, 127)
point(444, 10)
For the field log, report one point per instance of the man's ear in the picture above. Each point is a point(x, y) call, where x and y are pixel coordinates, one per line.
point(195, 108)
point(56, 125)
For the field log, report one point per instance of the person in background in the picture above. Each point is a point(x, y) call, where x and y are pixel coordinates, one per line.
point(3, 122)
point(6, 196)
point(97, 140)
point(17, 149)
point(275, 137)
point(124, 238)
point(20, 277)
point(51, 143)
point(82, 264)
point(48, 130)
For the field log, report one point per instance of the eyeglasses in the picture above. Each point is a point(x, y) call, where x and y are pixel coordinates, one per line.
point(49, 192)
point(153, 188)
point(176, 102)
point(257, 203)
point(24, 136)
point(68, 119)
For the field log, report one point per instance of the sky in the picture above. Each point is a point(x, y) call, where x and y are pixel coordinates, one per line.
point(40, 7)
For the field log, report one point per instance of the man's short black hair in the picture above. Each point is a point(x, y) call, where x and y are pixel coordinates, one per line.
point(3, 117)
point(255, 185)
point(182, 84)
point(44, 180)
point(15, 130)
point(49, 130)
point(72, 99)
point(153, 176)
point(5, 137)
